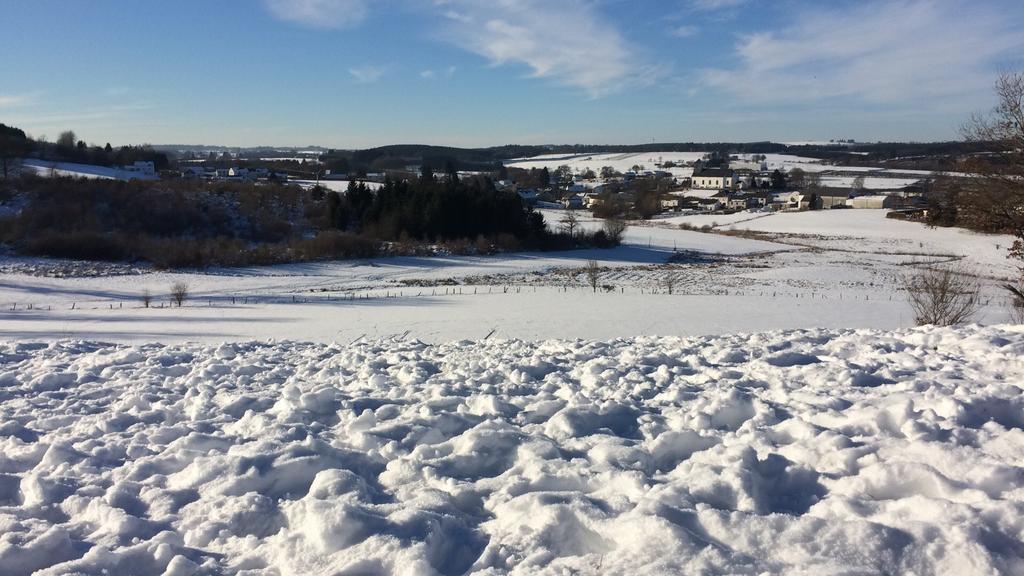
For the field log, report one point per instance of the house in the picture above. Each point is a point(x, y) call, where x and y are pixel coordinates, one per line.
point(710, 204)
point(671, 203)
point(505, 186)
point(528, 195)
point(795, 201)
point(142, 167)
point(573, 202)
point(737, 202)
point(714, 179)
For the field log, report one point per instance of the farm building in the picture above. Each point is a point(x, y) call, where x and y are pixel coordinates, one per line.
point(876, 202)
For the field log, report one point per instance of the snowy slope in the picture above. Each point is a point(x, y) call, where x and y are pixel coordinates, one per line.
point(872, 230)
point(810, 452)
point(45, 168)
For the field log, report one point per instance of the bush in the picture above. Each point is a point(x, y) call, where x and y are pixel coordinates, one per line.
point(943, 296)
point(79, 245)
point(1016, 301)
point(593, 273)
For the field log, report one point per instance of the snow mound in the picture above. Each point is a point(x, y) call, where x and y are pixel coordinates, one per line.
point(815, 452)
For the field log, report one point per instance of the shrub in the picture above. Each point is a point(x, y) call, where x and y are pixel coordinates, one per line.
point(593, 273)
point(943, 296)
point(1016, 301)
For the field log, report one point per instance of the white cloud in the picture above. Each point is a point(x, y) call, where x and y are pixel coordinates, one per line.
point(684, 31)
point(18, 100)
point(366, 74)
point(429, 74)
point(320, 13)
point(876, 52)
point(713, 5)
point(567, 42)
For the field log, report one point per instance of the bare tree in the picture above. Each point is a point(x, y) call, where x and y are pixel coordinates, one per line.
point(147, 298)
point(179, 293)
point(858, 184)
point(995, 199)
point(1005, 123)
point(614, 228)
point(570, 221)
point(943, 296)
point(593, 272)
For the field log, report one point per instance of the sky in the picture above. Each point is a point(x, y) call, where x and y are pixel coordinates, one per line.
point(363, 73)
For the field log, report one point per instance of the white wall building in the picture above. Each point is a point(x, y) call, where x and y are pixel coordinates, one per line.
point(714, 179)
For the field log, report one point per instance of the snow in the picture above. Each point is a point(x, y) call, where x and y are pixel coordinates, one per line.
point(830, 269)
point(621, 162)
point(335, 185)
point(871, 230)
point(874, 178)
point(771, 414)
point(46, 168)
point(812, 451)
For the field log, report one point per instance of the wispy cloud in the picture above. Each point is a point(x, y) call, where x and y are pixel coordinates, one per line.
point(876, 52)
point(87, 114)
point(320, 13)
point(590, 54)
point(366, 74)
point(714, 5)
point(684, 31)
point(18, 100)
point(430, 74)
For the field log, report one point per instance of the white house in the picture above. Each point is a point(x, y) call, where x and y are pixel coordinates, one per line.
point(714, 179)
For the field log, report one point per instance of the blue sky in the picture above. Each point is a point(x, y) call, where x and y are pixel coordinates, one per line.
point(360, 73)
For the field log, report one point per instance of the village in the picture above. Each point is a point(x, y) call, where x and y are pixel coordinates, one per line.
point(722, 185)
point(710, 183)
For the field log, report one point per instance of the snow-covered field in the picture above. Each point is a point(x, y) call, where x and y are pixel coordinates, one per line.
point(46, 168)
point(806, 452)
point(771, 413)
point(831, 269)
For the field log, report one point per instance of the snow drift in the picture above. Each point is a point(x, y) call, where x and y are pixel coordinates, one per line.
point(824, 452)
